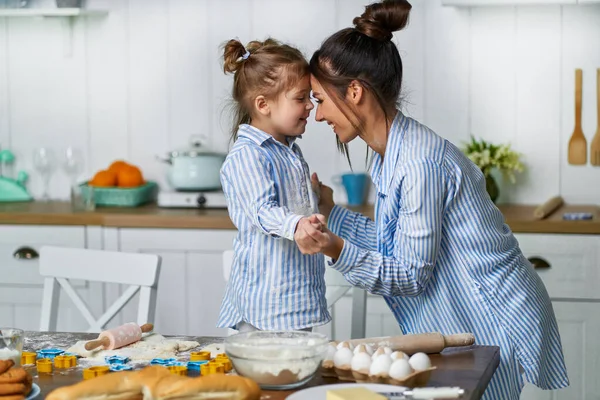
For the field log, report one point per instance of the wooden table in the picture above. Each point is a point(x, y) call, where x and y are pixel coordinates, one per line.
point(470, 368)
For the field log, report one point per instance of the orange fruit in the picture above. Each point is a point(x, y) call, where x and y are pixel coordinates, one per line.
point(104, 178)
point(118, 165)
point(130, 176)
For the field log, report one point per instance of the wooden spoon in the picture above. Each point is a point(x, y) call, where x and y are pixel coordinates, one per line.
point(595, 148)
point(577, 143)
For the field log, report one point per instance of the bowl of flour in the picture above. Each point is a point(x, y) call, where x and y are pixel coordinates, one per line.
point(277, 360)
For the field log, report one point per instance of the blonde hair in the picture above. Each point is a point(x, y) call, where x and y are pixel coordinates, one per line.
point(260, 68)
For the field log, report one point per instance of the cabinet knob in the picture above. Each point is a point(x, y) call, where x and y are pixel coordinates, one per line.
point(25, 253)
point(539, 263)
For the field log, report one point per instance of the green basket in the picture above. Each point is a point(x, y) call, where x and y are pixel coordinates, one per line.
point(120, 197)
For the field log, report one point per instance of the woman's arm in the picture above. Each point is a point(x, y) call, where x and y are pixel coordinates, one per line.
point(417, 240)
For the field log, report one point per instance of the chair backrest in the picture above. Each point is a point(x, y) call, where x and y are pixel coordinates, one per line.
point(60, 264)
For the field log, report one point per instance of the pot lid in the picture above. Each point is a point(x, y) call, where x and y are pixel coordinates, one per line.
point(196, 148)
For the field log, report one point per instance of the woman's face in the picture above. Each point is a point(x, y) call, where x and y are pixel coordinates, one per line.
point(329, 112)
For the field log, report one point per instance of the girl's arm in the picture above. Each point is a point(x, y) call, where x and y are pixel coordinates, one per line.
point(417, 240)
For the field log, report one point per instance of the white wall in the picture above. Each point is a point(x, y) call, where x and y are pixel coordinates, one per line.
point(142, 79)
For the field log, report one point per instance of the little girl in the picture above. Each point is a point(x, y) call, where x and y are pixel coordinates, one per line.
point(273, 286)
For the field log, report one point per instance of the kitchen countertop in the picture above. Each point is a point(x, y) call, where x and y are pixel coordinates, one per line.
point(519, 217)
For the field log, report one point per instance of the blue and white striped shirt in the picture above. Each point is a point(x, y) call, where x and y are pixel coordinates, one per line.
point(445, 261)
point(272, 285)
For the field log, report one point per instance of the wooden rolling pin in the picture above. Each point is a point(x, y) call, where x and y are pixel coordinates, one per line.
point(119, 336)
point(429, 343)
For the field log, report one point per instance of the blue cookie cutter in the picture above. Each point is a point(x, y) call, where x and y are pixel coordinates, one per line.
point(162, 361)
point(176, 364)
point(578, 216)
point(195, 365)
point(118, 360)
point(49, 353)
point(120, 367)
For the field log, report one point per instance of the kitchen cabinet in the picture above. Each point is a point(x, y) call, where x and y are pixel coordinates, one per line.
point(21, 285)
point(571, 274)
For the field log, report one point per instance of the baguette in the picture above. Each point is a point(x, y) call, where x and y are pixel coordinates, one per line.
point(221, 387)
point(157, 383)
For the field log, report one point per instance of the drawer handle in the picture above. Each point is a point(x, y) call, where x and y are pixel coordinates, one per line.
point(25, 253)
point(539, 263)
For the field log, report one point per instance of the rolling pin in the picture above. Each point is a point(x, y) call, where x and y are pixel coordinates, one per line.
point(429, 343)
point(119, 336)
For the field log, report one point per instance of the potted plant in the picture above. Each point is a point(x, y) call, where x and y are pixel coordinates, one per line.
point(488, 156)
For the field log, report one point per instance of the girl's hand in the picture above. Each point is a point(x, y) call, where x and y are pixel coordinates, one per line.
point(318, 239)
point(324, 194)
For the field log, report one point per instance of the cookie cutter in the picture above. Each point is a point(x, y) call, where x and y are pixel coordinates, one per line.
point(120, 367)
point(44, 365)
point(177, 369)
point(226, 364)
point(162, 361)
point(28, 357)
point(64, 361)
point(216, 367)
point(205, 369)
point(200, 355)
point(116, 360)
point(95, 371)
point(49, 353)
point(195, 365)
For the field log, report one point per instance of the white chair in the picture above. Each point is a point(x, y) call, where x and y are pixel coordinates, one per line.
point(60, 264)
point(337, 286)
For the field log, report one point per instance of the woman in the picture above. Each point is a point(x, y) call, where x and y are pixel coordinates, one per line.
point(439, 250)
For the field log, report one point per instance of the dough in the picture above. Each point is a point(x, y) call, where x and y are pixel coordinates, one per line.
point(214, 349)
point(151, 346)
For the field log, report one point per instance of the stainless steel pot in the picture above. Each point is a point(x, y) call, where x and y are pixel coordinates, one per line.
point(194, 168)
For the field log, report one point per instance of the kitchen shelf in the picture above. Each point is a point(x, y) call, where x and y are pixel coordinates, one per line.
point(50, 12)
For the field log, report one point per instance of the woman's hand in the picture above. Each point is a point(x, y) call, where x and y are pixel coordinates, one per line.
point(312, 237)
point(324, 194)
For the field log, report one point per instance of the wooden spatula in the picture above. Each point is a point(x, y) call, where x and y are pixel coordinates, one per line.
point(577, 143)
point(595, 148)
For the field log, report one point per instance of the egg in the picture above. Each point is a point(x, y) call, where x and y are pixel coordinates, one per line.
point(400, 369)
point(345, 344)
point(361, 362)
point(387, 351)
point(398, 355)
point(367, 348)
point(380, 351)
point(342, 357)
point(419, 361)
point(331, 349)
point(381, 365)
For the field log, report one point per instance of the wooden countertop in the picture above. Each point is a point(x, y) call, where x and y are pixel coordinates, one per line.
point(519, 217)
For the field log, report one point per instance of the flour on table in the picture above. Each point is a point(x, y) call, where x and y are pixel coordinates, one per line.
point(151, 346)
point(215, 348)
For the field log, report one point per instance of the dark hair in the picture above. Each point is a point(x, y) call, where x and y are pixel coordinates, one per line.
point(260, 68)
point(365, 54)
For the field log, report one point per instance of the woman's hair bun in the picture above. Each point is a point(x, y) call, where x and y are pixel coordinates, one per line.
point(380, 20)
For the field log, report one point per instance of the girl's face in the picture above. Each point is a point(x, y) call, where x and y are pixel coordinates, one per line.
point(329, 112)
point(291, 109)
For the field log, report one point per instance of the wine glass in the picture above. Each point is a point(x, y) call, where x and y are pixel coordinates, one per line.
point(44, 163)
point(73, 163)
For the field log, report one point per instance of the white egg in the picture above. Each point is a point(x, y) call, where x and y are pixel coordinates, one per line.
point(398, 355)
point(342, 357)
point(387, 350)
point(345, 344)
point(366, 348)
point(419, 361)
point(331, 349)
point(381, 365)
point(380, 351)
point(361, 361)
point(400, 369)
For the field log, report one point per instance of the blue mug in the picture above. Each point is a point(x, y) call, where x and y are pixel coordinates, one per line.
point(356, 185)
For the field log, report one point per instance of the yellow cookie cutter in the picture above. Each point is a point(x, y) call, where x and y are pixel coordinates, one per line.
point(28, 357)
point(205, 369)
point(93, 372)
point(44, 365)
point(178, 369)
point(199, 355)
point(216, 367)
point(65, 361)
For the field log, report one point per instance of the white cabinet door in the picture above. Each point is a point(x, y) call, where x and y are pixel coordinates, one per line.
point(21, 285)
point(579, 324)
point(588, 1)
point(191, 283)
